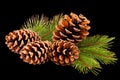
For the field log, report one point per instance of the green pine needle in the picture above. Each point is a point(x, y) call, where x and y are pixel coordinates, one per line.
point(97, 40)
point(101, 54)
point(42, 26)
point(94, 50)
point(36, 24)
point(51, 27)
point(85, 64)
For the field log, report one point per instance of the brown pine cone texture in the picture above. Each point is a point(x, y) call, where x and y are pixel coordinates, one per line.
point(72, 28)
point(64, 53)
point(18, 38)
point(36, 52)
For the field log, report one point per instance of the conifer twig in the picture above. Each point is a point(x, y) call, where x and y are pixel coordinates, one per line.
point(95, 49)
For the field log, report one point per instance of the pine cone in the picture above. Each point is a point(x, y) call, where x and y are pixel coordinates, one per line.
point(18, 38)
point(35, 52)
point(64, 53)
point(73, 28)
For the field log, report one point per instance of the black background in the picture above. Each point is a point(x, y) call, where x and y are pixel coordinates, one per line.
point(103, 17)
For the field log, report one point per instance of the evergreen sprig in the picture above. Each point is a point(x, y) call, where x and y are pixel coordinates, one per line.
point(94, 50)
point(42, 25)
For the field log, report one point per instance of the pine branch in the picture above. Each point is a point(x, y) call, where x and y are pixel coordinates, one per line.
point(95, 48)
point(42, 26)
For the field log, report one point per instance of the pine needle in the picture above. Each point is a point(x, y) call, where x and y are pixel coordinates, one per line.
point(97, 40)
point(42, 26)
point(95, 50)
point(51, 27)
point(86, 64)
point(37, 24)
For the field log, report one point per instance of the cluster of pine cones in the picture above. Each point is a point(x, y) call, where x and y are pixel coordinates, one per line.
point(70, 30)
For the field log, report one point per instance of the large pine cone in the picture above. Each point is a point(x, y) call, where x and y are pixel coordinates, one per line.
point(36, 52)
point(18, 38)
point(72, 28)
point(64, 53)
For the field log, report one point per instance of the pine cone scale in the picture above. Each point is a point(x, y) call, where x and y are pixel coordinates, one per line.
point(62, 34)
point(76, 36)
point(39, 54)
point(72, 59)
point(68, 31)
point(61, 62)
point(56, 34)
point(59, 28)
point(71, 40)
point(67, 60)
point(76, 29)
point(22, 43)
point(64, 23)
point(61, 57)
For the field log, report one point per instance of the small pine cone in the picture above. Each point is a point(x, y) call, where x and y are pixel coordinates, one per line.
point(18, 38)
point(64, 52)
point(72, 28)
point(35, 52)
